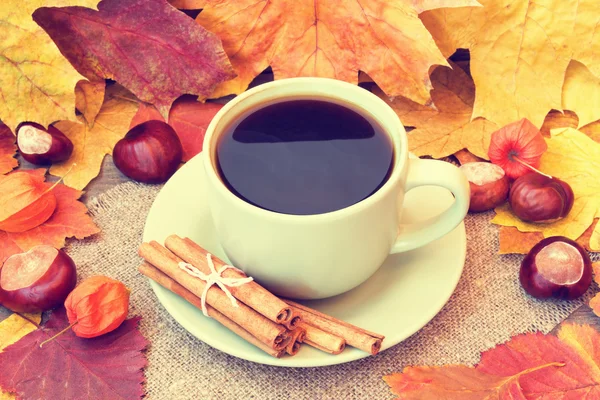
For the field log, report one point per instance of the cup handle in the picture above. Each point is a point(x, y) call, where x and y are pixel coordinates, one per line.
point(437, 173)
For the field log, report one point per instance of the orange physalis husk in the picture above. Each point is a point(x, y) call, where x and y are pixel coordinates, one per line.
point(517, 147)
point(98, 305)
point(25, 202)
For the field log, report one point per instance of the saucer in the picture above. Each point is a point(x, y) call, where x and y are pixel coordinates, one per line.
point(399, 299)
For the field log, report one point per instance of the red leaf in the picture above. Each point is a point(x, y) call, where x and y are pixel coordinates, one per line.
point(531, 366)
point(106, 367)
point(8, 148)
point(70, 219)
point(188, 117)
point(151, 48)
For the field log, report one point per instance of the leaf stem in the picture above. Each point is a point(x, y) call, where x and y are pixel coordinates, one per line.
point(58, 334)
point(517, 159)
point(61, 178)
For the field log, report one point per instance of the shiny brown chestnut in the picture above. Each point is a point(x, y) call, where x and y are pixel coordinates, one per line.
point(556, 267)
point(150, 152)
point(37, 280)
point(535, 197)
point(42, 146)
point(489, 185)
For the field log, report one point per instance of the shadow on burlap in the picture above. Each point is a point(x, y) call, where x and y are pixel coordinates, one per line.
point(487, 307)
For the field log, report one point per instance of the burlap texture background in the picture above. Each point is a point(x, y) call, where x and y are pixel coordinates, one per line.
point(487, 308)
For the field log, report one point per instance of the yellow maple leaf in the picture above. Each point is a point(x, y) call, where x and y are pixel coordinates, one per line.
point(36, 82)
point(447, 128)
point(575, 158)
point(581, 93)
point(92, 144)
point(12, 329)
point(89, 97)
point(333, 39)
point(520, 51)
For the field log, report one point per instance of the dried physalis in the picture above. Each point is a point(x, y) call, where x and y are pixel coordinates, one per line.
point(25, 202)
point(98, 305)
point(517, 147)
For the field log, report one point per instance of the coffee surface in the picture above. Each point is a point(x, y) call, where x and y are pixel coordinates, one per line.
point(304, 157)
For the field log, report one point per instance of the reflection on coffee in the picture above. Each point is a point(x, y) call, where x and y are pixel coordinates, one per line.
point(304, 157)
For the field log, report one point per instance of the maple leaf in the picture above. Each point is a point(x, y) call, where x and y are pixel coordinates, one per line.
point(92, 144)
point(13, 328)
point(148, 46)
point(8, 148)
point(520, 51)
point(188, 117)
point(69, 219)
point(514, 241)
point(530, 366)
point(573, 157)
point(36, 82)
point(89, 97)
point(106, 367)
point(581, 93)
point(333, 39)
point(442, 132)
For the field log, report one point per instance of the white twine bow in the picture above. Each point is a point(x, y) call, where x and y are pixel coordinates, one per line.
point(215, 278)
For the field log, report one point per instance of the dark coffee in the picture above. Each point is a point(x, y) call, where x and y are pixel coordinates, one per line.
point(304, 157)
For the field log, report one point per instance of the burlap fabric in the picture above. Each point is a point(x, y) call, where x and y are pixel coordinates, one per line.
point(487, 308)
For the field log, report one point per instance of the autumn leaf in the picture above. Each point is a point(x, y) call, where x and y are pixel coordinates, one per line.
point(89, 97)
point(573, 157)
point(92, 144)
point(333, 39)
point(520, 51)
point(8, 148)
point(106, 367)
point(155, 51)
point(69, 219)
point(36, 81)
point(444, 131)
point(581, 93)
point(513, 241)
point(187, 4)
point(595, 301)
point(188, 117)
point(529, 366)
point(12, 329)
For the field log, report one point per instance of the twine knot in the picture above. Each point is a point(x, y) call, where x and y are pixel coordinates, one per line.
point(215, 278)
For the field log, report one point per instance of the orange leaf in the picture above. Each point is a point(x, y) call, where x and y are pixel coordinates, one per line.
point(448, 128)
point(8, 148)
point(514, 241)
point(146, 112)
point(98, 305)
point(595, 301)
point(89, 97)
point(70, 219)
point(333, 39)
point(529, 366)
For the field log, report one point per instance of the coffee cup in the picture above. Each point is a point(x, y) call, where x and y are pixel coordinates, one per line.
point(323, 255)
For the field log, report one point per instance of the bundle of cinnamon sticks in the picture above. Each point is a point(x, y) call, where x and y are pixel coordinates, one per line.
point(276, 326)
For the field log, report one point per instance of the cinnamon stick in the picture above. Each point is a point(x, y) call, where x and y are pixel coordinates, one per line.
point(353, 335)
point(293, 322)
point(252, 293)
point(169, 284)
point(298, 336)
point(265, 330)
point(322, 340)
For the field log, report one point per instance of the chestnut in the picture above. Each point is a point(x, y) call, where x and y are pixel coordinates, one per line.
point(535, 197)
point(37, 280)
point(556, 267)
point(150, 152)
point(42, 146)
point(489, 185)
